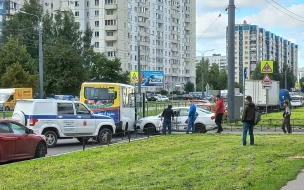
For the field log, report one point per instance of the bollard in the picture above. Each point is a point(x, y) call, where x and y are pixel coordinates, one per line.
point(83, 144)
point(129, 136)
point(108, 139)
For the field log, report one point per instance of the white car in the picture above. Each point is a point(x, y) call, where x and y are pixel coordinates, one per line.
point(203, 123)
point(297, 101)
point(162, 98)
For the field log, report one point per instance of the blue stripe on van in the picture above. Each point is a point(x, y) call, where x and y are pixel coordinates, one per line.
point(65, 117)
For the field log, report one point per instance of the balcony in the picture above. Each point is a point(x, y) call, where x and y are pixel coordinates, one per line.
point(110, 38)
point(110, 6)
point(141, 4)
point(174, 41)
point(111, 27)
point(175, 66)
point(175, 74)
point(177, 16)
point(187, 19)
point(174, 49)
point(145, 15)
point(187, 75)
point(174, 32)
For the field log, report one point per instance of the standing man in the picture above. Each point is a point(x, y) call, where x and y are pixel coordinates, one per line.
point(248, 120)
point(167, 114)
point(219, 112)
point(191, 117)
point(286, 118)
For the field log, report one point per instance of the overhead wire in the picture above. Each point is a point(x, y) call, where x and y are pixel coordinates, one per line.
point(286, 9)
point(284, 12)
point(224, 9)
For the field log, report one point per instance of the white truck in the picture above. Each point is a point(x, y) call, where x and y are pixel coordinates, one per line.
point(254, 88)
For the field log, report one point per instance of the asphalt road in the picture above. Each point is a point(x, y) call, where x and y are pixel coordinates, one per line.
point(70, 145)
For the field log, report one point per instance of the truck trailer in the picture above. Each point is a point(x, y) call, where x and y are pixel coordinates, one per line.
point(255, 89)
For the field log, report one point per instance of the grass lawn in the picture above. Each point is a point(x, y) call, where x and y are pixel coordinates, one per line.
point(199, 161)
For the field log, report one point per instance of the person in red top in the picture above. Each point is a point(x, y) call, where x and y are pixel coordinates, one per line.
point(219, 112)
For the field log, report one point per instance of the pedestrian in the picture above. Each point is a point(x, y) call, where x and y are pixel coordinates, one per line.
point(286, 118)
point(167, 114)
point(219, 112)
point(248, 120)
point(191, 118)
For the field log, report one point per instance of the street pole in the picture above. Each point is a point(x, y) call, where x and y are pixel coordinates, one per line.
point(203, 94)
point(40, 62)
point(244, 78)
point(231, 60)
point(41, 94)
point(286, 79)
point(138, 65)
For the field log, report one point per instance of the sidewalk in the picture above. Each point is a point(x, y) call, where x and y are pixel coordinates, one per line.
point(297, 184)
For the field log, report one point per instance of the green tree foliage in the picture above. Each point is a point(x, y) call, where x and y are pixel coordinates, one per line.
point(302, 84)
point(16, 77)
point(24, 27)
point(189, 87)
point(277, 75)
point(214, 76)
point(12, 52)
point(106, 70)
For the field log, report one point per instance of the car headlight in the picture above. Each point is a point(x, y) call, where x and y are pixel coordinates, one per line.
point(139, 121)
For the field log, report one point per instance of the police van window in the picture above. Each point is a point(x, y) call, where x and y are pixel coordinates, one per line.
point(65, 108)
point(81, 109)
point(4, 128)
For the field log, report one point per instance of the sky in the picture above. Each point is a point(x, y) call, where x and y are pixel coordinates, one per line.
point(282, 17)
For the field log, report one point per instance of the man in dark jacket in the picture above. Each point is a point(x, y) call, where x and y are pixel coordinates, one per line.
point(167, 114)
point(248, 120)
point(219, 112)
point(286, 118)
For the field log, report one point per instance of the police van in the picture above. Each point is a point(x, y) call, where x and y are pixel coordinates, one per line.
point(60, 119)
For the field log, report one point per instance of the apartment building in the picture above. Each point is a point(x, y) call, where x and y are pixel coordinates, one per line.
point(254, 44)
point(165, 30)
point(9, 8)
point(220, 60)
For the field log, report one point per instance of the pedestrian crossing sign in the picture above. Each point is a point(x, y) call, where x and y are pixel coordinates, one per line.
point(266, 66)
point(133, 77)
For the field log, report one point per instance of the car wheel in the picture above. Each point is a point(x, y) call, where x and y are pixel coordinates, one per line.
point(200, 128)
point(51, 138)
point(40, 150)
point(149, 128)
point(103, 136)
point(86, 139)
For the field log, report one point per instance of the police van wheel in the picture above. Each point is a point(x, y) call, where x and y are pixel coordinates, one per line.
point(51, 138)
point(104, 136)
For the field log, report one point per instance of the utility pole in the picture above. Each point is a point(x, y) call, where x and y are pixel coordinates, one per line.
point(203, 94)
point(286, 79)
point(231, 60)
point(40, 54)
point(138, 65)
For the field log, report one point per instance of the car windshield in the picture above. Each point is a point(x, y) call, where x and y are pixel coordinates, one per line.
point(164, 97)
point(4, 97)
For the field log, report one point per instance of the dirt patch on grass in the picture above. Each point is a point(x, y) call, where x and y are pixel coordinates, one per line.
point(296, 157)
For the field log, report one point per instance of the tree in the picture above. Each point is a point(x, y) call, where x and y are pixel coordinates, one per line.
point(222, 80)
point(12, 53)
point(213, 75)
point(107, 70)
point(189, 87)
point(199, 74)
point(302, 84)
point(16, 77)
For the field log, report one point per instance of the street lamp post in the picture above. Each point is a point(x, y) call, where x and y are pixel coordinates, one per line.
point(203, 77)
point(40, 55)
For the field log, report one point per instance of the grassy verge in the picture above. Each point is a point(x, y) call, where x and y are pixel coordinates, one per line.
point(7, 114)
point(167, 162)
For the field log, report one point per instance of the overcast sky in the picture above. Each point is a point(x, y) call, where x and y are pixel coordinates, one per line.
point(272, 15)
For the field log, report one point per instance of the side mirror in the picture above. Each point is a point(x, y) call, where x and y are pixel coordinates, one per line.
point(29, 131)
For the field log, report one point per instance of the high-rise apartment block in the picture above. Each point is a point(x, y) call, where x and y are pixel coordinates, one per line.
point(165, 30)
point(254, 44)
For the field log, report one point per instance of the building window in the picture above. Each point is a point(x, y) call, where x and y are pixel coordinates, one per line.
point(96, 13)
point(96, 44)
point(76, 3)
point(109, 33)
point(88, 3)
point(111, 54)
point(96, 34)
point(96, 23)
point(110, 1)
point(109, 44)
point(109, 12)
point(96, 2)
point(110, 22)
point(76, 13)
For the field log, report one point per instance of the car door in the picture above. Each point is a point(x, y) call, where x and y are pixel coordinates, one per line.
point(24, 146)
point(183, 118)
point(174, 123)
point(85, 120)
point(7, 142)
point(66, 118)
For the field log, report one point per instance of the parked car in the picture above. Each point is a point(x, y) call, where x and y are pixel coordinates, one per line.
point(59, 119)
point(210, 107)
point(18, 142)
point(296, 101)
point(201, 102)
point(162, 98)
point(151, 97)
point(203, 123)
point(176, 97)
